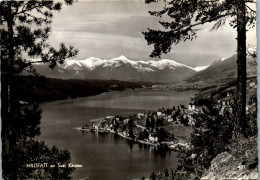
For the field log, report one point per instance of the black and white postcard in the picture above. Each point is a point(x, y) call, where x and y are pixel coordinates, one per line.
point(129, 89)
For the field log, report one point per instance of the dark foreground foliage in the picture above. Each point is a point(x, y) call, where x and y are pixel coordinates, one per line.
point(29, 153)
point(24, 36)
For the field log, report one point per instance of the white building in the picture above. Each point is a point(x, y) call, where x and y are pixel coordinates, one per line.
point(140, 115)
point(153, 137)
point(96, 126)
point(192, 107)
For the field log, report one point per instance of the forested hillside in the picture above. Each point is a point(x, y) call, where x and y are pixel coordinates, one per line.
point(41, 89)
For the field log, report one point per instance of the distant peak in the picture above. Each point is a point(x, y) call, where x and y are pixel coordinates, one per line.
point(92, 58)
point(122, 57)
point(168, 60)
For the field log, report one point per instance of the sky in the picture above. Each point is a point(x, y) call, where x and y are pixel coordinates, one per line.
point(108, 29)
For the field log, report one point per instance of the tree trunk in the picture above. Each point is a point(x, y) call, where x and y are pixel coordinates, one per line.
point(10, 93)
point(240, 120)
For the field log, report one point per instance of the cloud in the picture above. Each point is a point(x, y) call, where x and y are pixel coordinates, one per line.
point(108, 29)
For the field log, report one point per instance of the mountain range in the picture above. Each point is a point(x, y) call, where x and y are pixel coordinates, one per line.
point(121, 68)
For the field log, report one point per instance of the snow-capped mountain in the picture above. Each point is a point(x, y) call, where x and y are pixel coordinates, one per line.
point(120, 68)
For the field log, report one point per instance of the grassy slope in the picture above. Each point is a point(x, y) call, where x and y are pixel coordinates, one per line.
point(240, 162)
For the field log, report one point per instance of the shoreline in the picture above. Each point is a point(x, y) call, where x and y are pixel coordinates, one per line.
point(176, 146)
point(119, 134)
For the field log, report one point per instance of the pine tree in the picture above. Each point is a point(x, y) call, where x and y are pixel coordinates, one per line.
point(187, 15)
point(25, 28)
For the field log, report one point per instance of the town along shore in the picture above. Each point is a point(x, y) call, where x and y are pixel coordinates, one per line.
point(168, 128)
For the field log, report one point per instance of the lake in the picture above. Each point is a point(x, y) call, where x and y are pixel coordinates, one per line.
point(107, 156)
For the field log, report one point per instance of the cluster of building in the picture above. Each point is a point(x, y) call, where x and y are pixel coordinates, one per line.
point(147, 127)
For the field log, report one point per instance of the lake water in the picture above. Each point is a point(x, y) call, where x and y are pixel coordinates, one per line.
point(107, 156)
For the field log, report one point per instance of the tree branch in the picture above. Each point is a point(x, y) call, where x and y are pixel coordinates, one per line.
point(26, 10)
point(30, 72)
point(200, 23)
point(250, 9)
point(33, 62)
point(250, 2)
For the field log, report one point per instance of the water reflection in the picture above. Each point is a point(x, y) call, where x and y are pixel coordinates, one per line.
point(131, 144)
point(116, 137)
point(140, 145)
point(162, 151)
